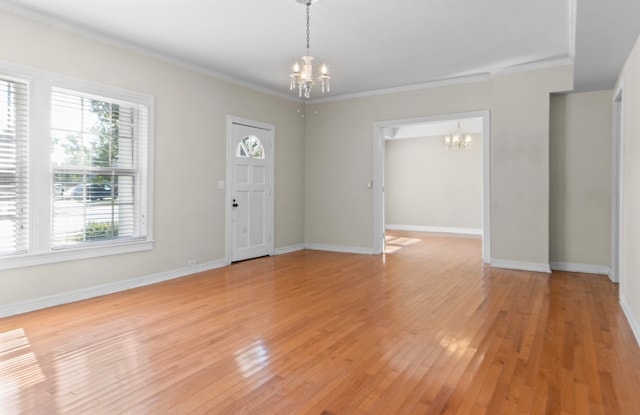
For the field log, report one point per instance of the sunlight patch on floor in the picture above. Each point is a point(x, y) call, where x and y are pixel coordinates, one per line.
point(19, 368)
point(395, 243)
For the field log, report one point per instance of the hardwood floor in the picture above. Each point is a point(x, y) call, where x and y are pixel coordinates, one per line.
point(425, 329)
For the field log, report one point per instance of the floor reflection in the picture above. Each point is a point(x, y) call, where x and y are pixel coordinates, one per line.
point(253, 358)
point(19, 369)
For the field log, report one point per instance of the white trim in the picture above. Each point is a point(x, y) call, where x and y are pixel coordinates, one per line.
point(109, 40)
point(522, 266)
point(635, 324)
point(407, 88)
point(100, 290)
point(144, 51)
point(288, 249)
point(435, 229)
point(486, 187)
point(74, 254)
point(573, 15)
point(378, 173)
point(340, 248)
point(617, 134)
point(584, 268)
point(482, 77)
point(534, 66)
point(30, 73)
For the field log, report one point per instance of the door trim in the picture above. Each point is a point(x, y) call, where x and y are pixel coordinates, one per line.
point(231, 120)
point(616, 185)
point(378, 174)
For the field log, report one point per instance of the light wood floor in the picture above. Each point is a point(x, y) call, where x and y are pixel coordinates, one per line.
point(425, 329)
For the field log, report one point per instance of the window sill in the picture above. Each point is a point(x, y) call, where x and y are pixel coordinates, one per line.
point(73, 254)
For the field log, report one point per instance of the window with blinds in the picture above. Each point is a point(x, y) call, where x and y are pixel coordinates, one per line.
point(75, 169)
point(13, 166)
point(98, 160)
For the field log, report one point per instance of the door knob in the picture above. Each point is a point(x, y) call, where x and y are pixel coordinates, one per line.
point(234, 204)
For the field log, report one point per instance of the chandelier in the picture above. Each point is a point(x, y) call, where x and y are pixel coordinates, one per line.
point(302, 76)
point(458, 140)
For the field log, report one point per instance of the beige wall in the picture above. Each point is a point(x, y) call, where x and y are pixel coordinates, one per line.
point(427, 184)
point(630, 260)
point(339, 152)
point(189, 159)
point(323, 161)
point(580, 157)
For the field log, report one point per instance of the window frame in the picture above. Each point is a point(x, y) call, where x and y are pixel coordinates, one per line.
point(40, 169)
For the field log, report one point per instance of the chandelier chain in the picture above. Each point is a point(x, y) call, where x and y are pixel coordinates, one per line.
point(308, 26)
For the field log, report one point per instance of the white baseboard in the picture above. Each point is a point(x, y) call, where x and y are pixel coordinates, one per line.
point(100, 290)
point(635, 324)
point(288, 249)
point(586, 268)
point(612, 277)
point(339, 248)
point(436, 229)
point(522, 266)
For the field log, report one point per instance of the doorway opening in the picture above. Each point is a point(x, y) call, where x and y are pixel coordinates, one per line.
point(432, 131)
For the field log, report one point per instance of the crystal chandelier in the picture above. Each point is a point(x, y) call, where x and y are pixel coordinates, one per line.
point(302, 76)
point(458, 140)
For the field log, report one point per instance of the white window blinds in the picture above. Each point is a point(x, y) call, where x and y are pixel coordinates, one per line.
point(98, 159)
point(13, 166)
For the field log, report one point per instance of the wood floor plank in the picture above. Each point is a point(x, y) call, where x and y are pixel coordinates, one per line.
point(424, 329)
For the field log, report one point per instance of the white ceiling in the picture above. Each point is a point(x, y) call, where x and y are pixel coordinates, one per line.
point(369, 45)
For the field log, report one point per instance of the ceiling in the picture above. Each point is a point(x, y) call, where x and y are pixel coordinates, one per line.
point(369, 45)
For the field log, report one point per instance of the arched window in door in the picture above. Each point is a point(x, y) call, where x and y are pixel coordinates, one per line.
point(250, 146)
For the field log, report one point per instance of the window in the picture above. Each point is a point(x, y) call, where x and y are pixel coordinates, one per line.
point(13, 166)
point(250, 146)
point(95, 172)
point(74, 169)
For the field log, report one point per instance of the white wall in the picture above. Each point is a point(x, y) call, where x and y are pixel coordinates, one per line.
point(189, 159)
point(630, 260)
point(580, 162)
point(429, 185)
point(339, 153)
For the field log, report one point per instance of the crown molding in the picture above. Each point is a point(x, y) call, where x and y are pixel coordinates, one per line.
point(450, 81)
point(407, 88)
point(10, 7)
point(534, 66)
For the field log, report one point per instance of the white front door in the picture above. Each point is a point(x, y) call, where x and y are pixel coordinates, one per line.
point(250, 193)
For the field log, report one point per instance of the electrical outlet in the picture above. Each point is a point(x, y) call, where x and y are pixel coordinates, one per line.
point(192, 263)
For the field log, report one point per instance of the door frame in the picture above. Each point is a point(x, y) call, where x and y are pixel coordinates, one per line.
point(379, 128)
point(270, 129)
point(616, 185)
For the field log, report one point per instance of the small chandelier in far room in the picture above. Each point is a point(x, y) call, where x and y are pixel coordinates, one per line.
point(302, 76)
point(458, 140)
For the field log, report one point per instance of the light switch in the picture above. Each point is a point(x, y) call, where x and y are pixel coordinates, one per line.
point(220, 184)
